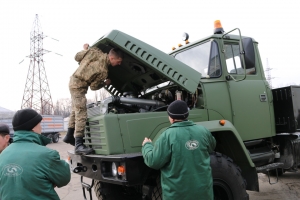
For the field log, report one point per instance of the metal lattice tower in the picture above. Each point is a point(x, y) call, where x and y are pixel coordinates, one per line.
point(269, 77)
point(37, 93)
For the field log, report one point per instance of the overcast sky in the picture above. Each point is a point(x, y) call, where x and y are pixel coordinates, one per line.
point(274, 24)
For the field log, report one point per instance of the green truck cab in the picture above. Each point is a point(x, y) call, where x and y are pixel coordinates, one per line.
point(222, 80)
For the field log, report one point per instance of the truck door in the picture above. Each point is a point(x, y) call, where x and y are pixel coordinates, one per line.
point(249, 96)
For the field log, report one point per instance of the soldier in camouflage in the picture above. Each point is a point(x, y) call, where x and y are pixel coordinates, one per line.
point(92, 72)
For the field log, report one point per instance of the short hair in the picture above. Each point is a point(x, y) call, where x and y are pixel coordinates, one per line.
point(3, 134)
point(116, 52)
point(4, 129)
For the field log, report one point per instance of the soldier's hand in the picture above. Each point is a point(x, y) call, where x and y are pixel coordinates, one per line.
point(86, 46)
point(107, 82)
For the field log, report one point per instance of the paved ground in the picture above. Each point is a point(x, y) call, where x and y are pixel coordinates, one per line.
point(72, 191)
point(288, 186)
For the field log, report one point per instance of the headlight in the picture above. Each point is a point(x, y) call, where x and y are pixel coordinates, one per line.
point(185, 36)
point(114, 169)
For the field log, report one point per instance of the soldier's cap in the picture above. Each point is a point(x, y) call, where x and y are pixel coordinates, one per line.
point(4, 129)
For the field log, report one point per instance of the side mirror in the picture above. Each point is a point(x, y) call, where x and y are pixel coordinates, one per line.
point(249, 53)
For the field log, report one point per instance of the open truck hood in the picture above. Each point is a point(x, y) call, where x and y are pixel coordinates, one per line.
point(144, 66)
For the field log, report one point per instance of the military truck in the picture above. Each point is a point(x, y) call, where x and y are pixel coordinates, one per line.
point(221, 77)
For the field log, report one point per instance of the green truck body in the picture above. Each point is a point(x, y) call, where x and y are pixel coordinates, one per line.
point(221, 77)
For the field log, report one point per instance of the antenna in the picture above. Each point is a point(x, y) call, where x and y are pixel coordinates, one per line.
point(37, 93)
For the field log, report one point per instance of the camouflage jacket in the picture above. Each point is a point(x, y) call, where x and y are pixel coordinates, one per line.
point(92, 70)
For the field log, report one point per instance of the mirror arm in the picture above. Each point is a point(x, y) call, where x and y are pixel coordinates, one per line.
point(242, 55)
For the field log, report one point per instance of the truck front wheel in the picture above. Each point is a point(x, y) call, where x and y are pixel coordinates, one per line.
point(228, 182)
point(107, 191)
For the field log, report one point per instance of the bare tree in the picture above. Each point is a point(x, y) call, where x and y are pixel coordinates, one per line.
point(63, 107)
point(46, 108)
point(102, 94)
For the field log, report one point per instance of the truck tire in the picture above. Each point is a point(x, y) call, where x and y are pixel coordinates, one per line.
point(50, 136)
point(156, 191)
point(228, 182)
point(55, 138)
point(107, 191)
point(153, 191)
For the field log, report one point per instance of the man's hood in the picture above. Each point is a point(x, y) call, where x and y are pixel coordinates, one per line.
point(29, 136)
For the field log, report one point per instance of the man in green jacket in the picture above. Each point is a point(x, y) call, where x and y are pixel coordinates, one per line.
point(29, 170)
point(182, 154)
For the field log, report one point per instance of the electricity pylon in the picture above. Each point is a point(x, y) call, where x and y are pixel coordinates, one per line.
point(37, 93)
point(269, 77)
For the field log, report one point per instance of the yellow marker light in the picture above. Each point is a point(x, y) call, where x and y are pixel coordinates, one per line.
point(218, 29)
point(173, 48)
point(179, 45)
point(218, 24)
point(186, 42)
point(222, 122)
point(121, 170)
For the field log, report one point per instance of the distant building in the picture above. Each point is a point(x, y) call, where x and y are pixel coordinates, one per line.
point(4, 110)
point(5, 113)
point(6, 117)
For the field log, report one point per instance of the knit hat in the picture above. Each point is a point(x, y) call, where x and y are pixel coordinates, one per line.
point(26, 119)
point(4, 129)
point(178, 110)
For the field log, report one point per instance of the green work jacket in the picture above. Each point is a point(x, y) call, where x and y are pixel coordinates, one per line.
point(29, 170)
point(182, 155)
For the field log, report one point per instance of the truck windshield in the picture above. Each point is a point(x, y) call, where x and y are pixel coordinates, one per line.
point(204, 58)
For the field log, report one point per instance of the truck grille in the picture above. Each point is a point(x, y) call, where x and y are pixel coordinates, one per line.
point(95, 135)
point(94, 111)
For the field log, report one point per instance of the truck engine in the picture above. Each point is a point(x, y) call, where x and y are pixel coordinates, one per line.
point(152, 101)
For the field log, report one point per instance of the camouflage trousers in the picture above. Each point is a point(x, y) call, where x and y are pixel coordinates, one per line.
point(79, 112)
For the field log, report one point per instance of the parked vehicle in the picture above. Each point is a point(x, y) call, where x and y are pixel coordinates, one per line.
point(222, 79)
point(52, 125)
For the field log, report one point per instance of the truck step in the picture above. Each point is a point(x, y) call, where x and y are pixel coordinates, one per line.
point(268, 167)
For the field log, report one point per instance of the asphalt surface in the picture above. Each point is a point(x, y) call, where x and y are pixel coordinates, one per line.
point(72, 191)
point(288, 186)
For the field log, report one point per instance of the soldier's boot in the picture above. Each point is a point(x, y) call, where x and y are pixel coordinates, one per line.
point(69, 138)
point(80, 148)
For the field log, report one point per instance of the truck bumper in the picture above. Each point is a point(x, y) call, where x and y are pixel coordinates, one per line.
point(103, 168)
